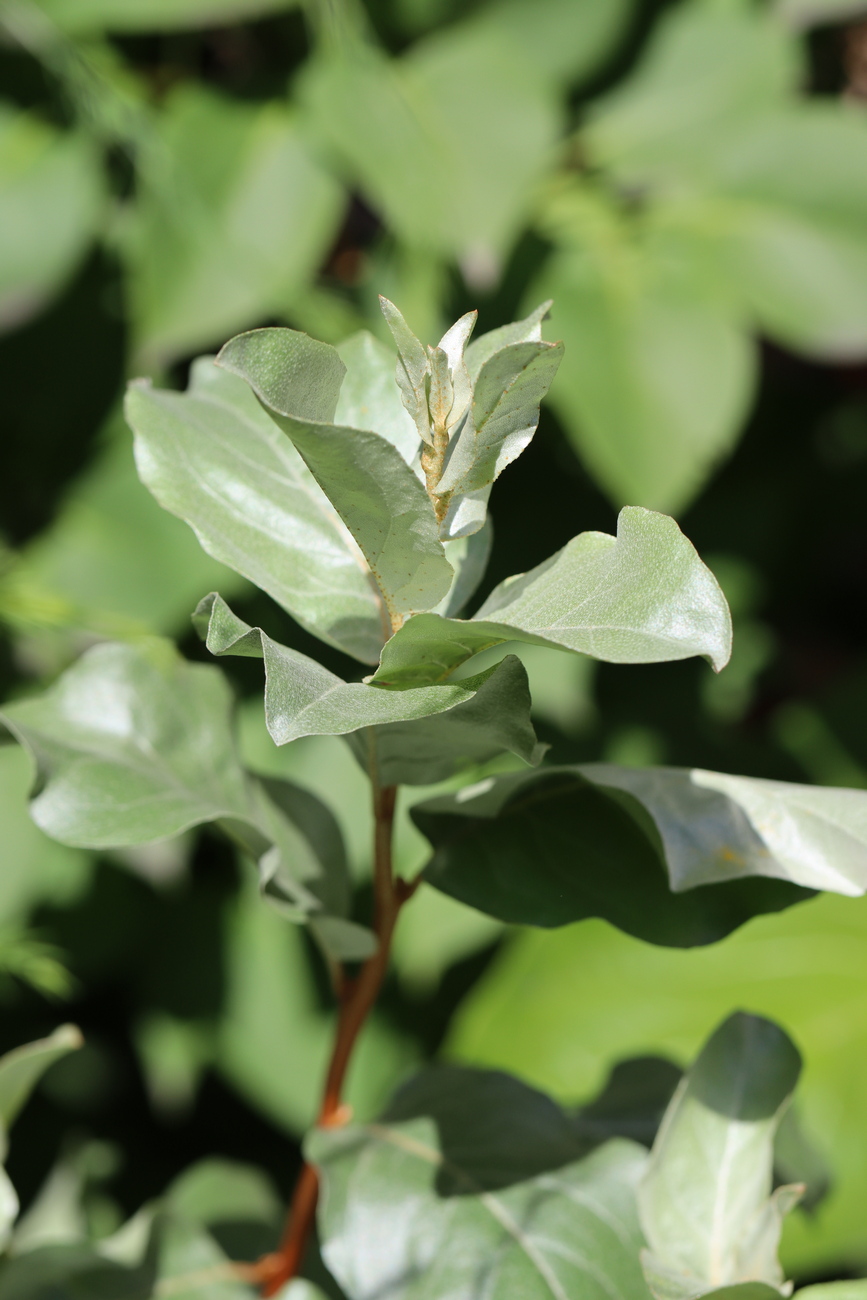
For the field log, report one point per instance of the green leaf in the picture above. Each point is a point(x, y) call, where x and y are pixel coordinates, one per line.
point(567, 39)
point(504, 414)
point(717, 827)
point(495, 721)
point(234, 216)
point(72, 1272)
point(793, 203)
point(548, 848)
point(22, 1068)
point(708, 72)
point(469, 557)
point(91, 16)
point(705, 1198)
point(412, 370)
point(304, 699)
point(486, 345)
point(448, 142)
point(51, 196)
point(642, 597)
point(131, 745)
point(470, 1174)
point(661, 370)
point(368, 482)
point(369, 398)
point(214, 458)
point(805, 968)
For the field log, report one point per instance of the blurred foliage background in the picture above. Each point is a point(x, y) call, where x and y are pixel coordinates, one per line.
point(688, 181)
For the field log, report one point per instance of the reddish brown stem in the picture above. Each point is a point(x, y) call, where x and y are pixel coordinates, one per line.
point(356, 999)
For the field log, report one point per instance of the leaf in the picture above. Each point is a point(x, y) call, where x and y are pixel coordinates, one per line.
point(549, 848)
point(69, 1272)
point(369, 398)
point(412, 370)
point(707, 73)
point(214, 458)
point(51, 196)
point(795, 199)
point(804, 13)
point(717, 827)
point(471, 1178)
point(504, 414)
point(131, 745)
point(234, 216)
point(22, 1068)
point(486, 345)
point(567, 39)
point(469, 557)
point(661, 370)
point(805, 968)
point(304, 699)
point(91, 16)
point(115, 556)
point(370, 485)
point(495, 721)
point(448, 142)
point(705, 1200)
point(643, 597)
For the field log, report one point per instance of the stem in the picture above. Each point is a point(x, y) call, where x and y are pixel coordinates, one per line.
point(356, 999)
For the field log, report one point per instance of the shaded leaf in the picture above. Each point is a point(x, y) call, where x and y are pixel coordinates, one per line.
point(705, 1200)
point(495, 721)
point(369, 398)
point(548, 848)
point(51, 194)
point(717, 827)
point(22, 1068)
point(368, 482)
point(214, 458)
point(643, 597)
point(461, 1206)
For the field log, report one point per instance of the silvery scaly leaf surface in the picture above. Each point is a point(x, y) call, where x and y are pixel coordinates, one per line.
point(552, 847)
point(642, 597)
point(304, 699)
point(214, 458)
point(705, 1199)
point(368, 482)
point(413, 369)
point(133, 745)
point(481, 1188)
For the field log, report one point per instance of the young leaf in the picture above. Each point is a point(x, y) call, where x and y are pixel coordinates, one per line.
point(505, 411)
point(643, 597)
point(549, 848)
point(368, 482)
point(304, 699)
point(213, 457)
point(413, 369)
point(705, 1199)
point(717, 827)
point(369, 398)
point(495, 721)
point(474, 1195)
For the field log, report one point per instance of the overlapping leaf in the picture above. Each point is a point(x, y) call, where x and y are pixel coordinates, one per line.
point(474, 1189)
point(92, 16)
point(214, 458)
point(705, 1200)
point(416, 735)
point(368, 482)
point(134, 745)
point(642, 597)
point(552, 847)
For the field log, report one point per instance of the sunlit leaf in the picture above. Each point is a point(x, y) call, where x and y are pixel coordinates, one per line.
point(91, 16)
point(214, 458)
point(642, 597)
point(368, 482)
